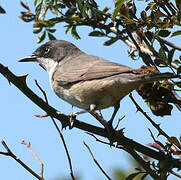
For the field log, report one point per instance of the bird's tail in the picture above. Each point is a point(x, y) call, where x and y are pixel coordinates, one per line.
point(149, 78)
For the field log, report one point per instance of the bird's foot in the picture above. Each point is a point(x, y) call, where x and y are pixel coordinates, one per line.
point(110, 131)
point(73, 116)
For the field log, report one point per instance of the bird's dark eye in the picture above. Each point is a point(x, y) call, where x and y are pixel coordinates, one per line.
point(46, 50)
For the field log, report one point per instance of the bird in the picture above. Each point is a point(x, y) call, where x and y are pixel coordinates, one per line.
point(86, 81)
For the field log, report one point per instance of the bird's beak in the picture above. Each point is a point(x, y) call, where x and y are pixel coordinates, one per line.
point(31, 58)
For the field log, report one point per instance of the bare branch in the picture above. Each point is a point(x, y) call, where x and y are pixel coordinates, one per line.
point(118, 137)
point(60, 133)
point(96, 162)
point(169, 43)
point(119, 120)
point(176, 174)
point(35, 155)
point(143, 163)
point(11, 154)
point(161, 132)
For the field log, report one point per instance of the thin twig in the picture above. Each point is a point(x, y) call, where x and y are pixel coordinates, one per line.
point(161, 132)
point(35, 155)
point(119, 120)
point(11, 154)
point(65, 146)
point(151, 134)
point(176, 174)
point(43, 92)
point(60, 133)
point(143, 163)
point(99, 166)
point(137, 157)
point(169, 43)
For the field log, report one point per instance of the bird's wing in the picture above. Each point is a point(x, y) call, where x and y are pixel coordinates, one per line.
point(87, 67)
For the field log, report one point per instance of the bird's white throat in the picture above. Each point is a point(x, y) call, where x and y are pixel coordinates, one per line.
point(49, 65)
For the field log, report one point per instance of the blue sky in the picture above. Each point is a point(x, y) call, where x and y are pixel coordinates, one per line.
point(17, 112)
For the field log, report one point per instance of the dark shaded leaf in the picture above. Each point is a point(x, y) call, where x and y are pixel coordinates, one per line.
point(176, 33)
point(170, 55)
point(132, 176)
point(111, 41)
point(74, 33)
point(143, 15)
point(93, 3)
point(164, 33)
point(162, 54)
point(51, 36)
point(160, 62)
point(117, 8)
point(97, 33)
point(26, 17)
point(68, 28)
point(178, 4)
point(51, 30)
point(80, 4)
point(149, 36)
point(25, 5)
point(133, 9)
point(163, 46)
point(2, 11)
point(41, 37)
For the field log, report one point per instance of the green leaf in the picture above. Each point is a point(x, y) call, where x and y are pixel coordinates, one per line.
point(178, 4)
point(37, 30)
point(80, 4)
point(132, 176)
point(51, 30)
point(68, 28)
point(117, 8)
point(160, 63)
point(51, 36)
point(74, 33)
point(179, 70)
point(41, 37)
point(162, 54)
point(2, 11)
point(111, 41)
point(170, 55)
point(164, 33)
point(97, 33)
point(176, 33)
point(41, 6)
point(143, 15)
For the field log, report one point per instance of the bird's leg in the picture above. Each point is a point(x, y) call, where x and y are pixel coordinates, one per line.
point(116, 108)
point(73, 116)
point(107, 125)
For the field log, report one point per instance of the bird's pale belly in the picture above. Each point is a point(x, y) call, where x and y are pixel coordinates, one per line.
point(102, 93)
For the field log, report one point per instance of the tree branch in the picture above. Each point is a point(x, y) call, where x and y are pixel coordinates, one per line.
point(60, 133)
point(96, 162)
point(11, 154)
point(20, 83)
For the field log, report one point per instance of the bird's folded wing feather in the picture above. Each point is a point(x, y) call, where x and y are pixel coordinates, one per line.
point(87, 67)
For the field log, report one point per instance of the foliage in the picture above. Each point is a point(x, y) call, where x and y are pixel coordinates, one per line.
point(146, 32)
